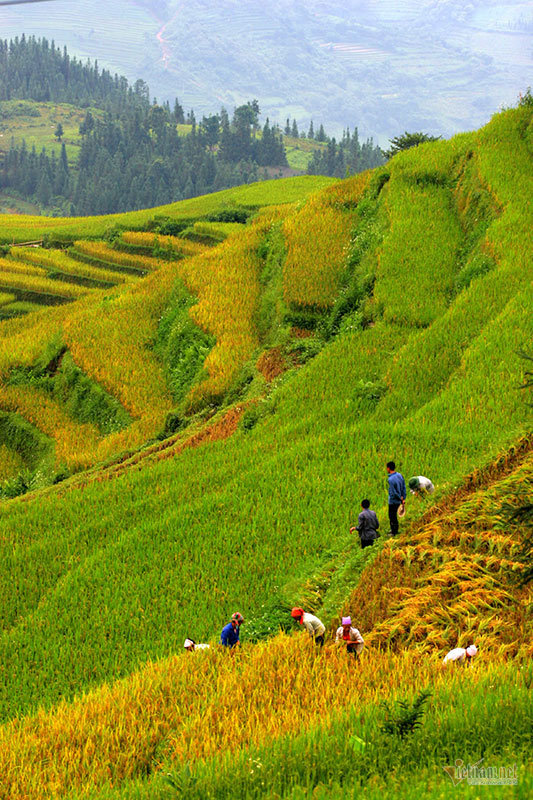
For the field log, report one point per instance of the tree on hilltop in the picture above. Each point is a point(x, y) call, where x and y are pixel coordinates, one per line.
point(87, 125)
point(407, 140)
point(247, 116)
point(178, 113)
point(210, 127)
point(526, 100)
point(321, 135)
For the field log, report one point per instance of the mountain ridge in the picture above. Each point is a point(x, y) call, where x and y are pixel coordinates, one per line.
point(356, 64)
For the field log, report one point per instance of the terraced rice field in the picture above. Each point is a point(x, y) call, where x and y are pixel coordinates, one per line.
point(238, 449)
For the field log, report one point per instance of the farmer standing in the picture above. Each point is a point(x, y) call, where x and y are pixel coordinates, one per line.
point(312, 624)
point(397, 494)
point(367, 525)
point(230, 632)
point(350, 636)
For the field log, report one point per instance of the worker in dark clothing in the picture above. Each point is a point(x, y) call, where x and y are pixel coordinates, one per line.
point(397, 493)
point(367, 525)
point(230, 632)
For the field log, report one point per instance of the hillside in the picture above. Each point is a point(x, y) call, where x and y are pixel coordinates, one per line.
point(35, 124)
point(287, 340)
point(384, 66)
point(119, 150)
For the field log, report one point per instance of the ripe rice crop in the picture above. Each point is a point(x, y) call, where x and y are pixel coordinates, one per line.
point(448, 584)
point(28, 278)
point(220, 229)
point(74, 443)
point(11, 267)
point(23, 307)
point(102, 335)
point(15, 227)
point(317, 240)
point(184, 247)
point(188, 703)
point(96, 584)
point(109, 341)
point(103, 252)
point(182, 708)
point(212, 232)
point(6, 298)
point(226, 282)
point(22, 340)
point(59, 261)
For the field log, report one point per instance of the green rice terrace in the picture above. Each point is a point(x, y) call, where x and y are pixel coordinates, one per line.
point(194, 400)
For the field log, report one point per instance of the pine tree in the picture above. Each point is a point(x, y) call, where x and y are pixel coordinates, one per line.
point(179, 115)
point(44, 189)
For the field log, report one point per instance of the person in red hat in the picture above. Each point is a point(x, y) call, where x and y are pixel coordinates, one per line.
point(312, 624)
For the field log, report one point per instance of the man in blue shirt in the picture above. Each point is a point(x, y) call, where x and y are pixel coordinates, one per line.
point(397, 493)
point(230, 632)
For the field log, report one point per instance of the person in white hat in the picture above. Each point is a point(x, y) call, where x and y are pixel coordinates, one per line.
point(190, 645)
point(460, 655)
point(349, 636)
point(419, 485)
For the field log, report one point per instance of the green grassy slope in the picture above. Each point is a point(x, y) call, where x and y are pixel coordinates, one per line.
point(424, 370)
point(36, 123)
point(309, 726)
point(286, 190)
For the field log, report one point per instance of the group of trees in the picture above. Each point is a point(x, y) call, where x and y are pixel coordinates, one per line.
point(37, 176)
point(138, 160)
point(292, 130)
point(131, 153)
point(347, 156)
point(35, 69)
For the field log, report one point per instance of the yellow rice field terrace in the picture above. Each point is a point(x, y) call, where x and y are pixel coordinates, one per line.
point(455, 570)
point(108, 303)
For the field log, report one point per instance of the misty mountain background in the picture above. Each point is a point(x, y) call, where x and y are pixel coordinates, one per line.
point(384, 65)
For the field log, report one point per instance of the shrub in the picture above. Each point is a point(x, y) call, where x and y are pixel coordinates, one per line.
point(240, 215)
point(406, 717)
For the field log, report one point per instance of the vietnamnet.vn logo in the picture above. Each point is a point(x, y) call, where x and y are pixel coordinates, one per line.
point(476, 775)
